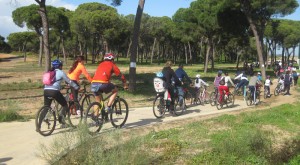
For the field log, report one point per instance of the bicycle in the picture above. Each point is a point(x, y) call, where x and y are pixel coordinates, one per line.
point(118, 117)
point(203, 97)
point(278, 90)
point(83, 96)
point(213, 97)
point(266, 92)
point(222, 100)
point(47, 116)
point(249, 97)
point(162, 105)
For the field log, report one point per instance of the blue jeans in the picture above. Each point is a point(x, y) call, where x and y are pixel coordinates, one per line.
point(180, 94)
point(253, 92)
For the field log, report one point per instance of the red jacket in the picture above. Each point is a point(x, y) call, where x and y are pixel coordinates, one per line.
point(105, 70)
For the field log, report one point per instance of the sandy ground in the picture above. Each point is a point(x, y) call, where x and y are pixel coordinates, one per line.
point(20, 144)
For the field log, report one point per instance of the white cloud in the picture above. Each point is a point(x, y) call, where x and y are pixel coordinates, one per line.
point(7, 25)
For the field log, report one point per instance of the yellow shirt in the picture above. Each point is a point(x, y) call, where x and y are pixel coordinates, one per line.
point(77, 72)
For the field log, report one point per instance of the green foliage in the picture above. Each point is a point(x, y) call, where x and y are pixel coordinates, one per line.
point(9, 115)
point(20, 86)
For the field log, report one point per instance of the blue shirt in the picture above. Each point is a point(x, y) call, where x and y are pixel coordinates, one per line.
point(181, 74)
point(60, 76)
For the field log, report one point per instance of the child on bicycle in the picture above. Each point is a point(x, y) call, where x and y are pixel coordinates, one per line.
point(75, 71)
point(198, 84)
point(253, 85)
point(268, 82)
point(281, 82)
point(53, 91)
point(222, 87)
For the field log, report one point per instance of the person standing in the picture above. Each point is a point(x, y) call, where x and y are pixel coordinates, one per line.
point(287, 82)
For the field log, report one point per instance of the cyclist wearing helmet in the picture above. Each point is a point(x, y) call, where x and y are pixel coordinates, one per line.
point(198, 84)
point(252, 86)
point(259, 76)
point(53, 91)
point(75, 71)
point(218, 78)
point(169, 76)
point(181, 74)
point(101, 80)
point(268, 82)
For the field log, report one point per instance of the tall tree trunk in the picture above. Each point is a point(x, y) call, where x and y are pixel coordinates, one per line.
point(258, 46)
point(128, 51)
point(63, 49)
point(43, 13)
point(282, 56)
point(41, 51)
point(152, 51)
point(207, 57)
point(136, 31)
point(190, 52)
point(185, 54)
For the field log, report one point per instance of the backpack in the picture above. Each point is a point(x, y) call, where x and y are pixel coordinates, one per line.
point(159, 84)
point(222, 81)
point(49, 78)
point(295, 74)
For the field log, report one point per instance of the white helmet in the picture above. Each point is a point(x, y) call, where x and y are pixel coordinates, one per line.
point(258, 73)
point(198, 76)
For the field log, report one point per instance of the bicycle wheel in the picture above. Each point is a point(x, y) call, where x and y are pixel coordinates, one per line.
point(87, 100)
point(119, 114)
point(93, 123)
point(212, 99)
point(265, 93)
point(179, 105)
point(45, 121)
point(230, 100)
point(248, 98)
point(75, 118)
point(159, 107)
point(258, 96)
point(218, 102)
point(206, 97)
point(199, 101)
point(276, 91)
point(189, 98)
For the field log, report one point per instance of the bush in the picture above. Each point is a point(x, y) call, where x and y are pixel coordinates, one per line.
point(9, 116)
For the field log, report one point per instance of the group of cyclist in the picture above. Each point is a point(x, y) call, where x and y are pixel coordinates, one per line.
point(174, 79)
point(100, 82)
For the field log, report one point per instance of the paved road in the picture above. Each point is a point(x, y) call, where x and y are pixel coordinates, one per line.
point(19, 143)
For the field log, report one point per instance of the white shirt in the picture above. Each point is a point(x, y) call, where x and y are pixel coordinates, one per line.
point(267, 82)
point(241, 77)
point(227, 78)
point(200, 81)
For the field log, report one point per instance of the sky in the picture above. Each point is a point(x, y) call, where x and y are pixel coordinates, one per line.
point(152, 7)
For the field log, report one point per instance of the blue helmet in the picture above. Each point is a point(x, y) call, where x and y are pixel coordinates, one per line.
point(220, 72)
point(159, 74)
point(56, 64)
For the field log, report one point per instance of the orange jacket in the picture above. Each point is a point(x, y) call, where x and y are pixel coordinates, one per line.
point(105, 70)
point(77, 72)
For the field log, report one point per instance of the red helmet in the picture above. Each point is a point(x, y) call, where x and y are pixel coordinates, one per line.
point(109, 56)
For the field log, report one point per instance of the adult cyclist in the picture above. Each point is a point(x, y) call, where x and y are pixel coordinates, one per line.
point(182, 75)
point(170, 76)
point(101, 81)
point(244, 81)
point(53, 91)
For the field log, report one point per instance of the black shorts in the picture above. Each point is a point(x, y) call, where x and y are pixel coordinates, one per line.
point(97, 88)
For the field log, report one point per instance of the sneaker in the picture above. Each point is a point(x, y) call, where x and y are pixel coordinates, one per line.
point(108, 110)
point(78, 112)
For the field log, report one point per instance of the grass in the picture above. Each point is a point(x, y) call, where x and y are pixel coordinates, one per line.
point(261, 137)
point(20, 85)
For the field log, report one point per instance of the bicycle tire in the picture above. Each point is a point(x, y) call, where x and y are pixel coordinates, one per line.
point(75, 119)
point(86, 101)
point(230, 100)
point(265, 94)
point(206, 97)
point(276, 91)
point(179, 107)
point(212, 99)
point(258, 96)
point(218, 102)
point(248, 98)
point(188, 97)
point(45, 121)
point(159, 107)
point(93, 123)
point(198, 101)
point(120, 112)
